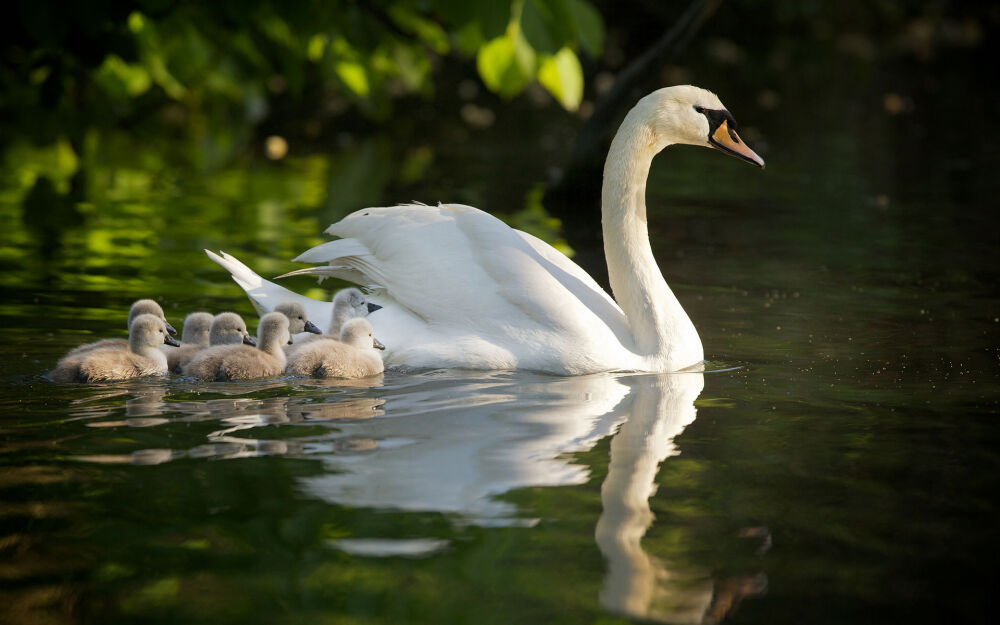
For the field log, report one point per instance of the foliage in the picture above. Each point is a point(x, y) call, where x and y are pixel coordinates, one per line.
point(193, 62)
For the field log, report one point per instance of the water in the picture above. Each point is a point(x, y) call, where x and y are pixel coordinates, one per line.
point(837, 463)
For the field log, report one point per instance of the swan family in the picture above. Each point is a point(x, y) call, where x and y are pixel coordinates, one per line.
point(220, 347)
point(452, 286)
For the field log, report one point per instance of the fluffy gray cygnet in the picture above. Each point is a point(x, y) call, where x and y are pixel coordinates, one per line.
point(139, 307)
point(142, 358)
point(353, 356)
point(347, 304)
point(194, 338)
point(226, 328)
point(242, 362)
point(297, 320)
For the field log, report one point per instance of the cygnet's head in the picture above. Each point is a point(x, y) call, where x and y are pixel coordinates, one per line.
point(197, 327)
point(691, 115)
point(297, 321)
point(148, 307)
point(353, 301)
point(359, 333)
point(148, 331)
point(273, 328)
point(228, 329)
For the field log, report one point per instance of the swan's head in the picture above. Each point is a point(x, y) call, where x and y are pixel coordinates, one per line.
point(297, 321)
point(229, 329)
point(694, 116)
point(352, 303)
point(360, 333)
point(148, 307)
point(273, 328)
point(149, 331)
point(197, 327)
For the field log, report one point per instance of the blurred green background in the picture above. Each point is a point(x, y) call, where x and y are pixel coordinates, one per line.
point(854, 281)
point(278, 118)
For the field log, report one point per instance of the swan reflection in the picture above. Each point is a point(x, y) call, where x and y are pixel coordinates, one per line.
point(454, 442)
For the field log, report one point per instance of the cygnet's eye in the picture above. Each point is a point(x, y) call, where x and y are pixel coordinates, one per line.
point(300, 317)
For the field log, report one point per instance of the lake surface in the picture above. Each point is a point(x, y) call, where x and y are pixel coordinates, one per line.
point(837, 463)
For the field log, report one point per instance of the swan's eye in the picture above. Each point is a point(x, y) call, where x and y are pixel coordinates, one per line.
point(700, 109)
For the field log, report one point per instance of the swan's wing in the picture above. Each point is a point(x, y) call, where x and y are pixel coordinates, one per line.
point(457, 264)
point(577, 281)
point(266, 295)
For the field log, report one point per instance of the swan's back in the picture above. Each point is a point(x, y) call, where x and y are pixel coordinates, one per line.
point(501, 291)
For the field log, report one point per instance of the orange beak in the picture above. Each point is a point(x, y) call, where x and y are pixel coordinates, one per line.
point(727, 140)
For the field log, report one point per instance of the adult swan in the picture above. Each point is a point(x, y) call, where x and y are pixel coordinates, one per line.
point(459, 288)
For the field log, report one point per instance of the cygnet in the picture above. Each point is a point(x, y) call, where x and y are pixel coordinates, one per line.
point(227, 328)
point(297, 321)
point(139, 307)
point(353, 356)
point(194, 338)
point(347, 304)
point(143, 356)
point(242, 362)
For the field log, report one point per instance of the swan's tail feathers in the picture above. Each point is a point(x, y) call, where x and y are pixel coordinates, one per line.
point(264, 295)
point(242, 275)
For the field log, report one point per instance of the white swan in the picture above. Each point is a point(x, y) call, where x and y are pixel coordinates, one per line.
point(462, 289)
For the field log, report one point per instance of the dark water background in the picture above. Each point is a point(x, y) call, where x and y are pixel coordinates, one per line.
point(839, 465)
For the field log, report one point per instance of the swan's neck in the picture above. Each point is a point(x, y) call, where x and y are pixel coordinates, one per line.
point(662, 331)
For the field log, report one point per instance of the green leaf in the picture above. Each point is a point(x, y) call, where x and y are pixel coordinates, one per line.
point(354, 77)
point(123, 79)
point(469, 38)
point(428, 32)
point(536, 22)
point(588, 24)
point(562, 76)
point(506, 64)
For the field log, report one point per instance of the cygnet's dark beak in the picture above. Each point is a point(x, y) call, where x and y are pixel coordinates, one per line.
point(372, 308)
point(249, 340)
point(170, 328)
point(311, 327)
point(378, 343)
point(169, 340)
